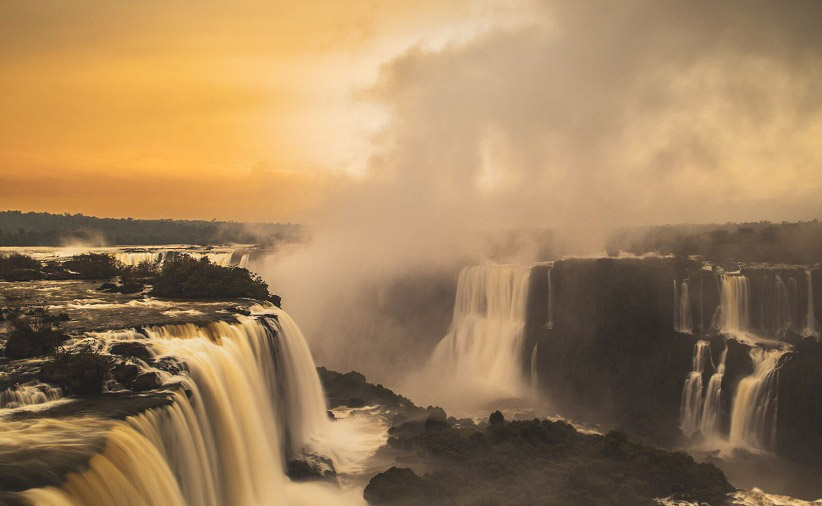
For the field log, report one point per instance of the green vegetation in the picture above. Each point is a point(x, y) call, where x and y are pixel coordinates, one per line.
point(790, 243)
point(17, 267)
point(34, 333)
point(537, 462)
point(77, 372)
point(94, 266)
point(185, 277)
point(45, 229)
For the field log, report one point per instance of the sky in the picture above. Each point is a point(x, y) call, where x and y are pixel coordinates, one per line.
point(479, 113)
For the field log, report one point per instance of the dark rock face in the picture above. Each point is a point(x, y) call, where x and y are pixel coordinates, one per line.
point(310, 467)
point(130, 349)
point(146, 381)
point(125, 373)
point(799, 416)
point(612, 354)
point(397, 485)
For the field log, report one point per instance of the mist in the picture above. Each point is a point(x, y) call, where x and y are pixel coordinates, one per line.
point(556, 130)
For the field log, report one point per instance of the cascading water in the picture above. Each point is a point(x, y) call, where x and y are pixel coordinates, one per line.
point(734, 305)
point(712, 408)
point(550, 300)
point(811, 324)
point(482, 354)
point(249, 399)
point(784, 320)
point(691, 410)
point(754, 412)
point(28, 394)
point(683, 318)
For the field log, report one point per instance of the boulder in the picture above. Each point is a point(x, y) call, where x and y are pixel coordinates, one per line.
point(125, 373)
point(310, 467)
point(130, 349)
point(146, 381)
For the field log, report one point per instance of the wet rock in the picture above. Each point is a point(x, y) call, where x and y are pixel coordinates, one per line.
point(78, 373)
point(125, 373)
point(131, 287)
point(310, 467)
point(146, 381)
point(130, 349)
point(169, 364)
point(106, 287)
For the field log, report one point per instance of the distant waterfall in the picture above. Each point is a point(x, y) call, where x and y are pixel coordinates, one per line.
point(811, 324)
point(134, 258)
point(712, 408)
point(534, 379)
point(683, 317)
point(550, 300)
point(691, 410)
point(784, 319)
point(482, 354)
point(753, 416)
point(734, 304)
point(250, 398)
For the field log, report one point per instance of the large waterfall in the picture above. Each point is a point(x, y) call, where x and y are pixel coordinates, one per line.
point(712, 408)
point(691, 411)
point(249, 399)
point(481, 357)
point(754, 406)
point(734, 304)
point(753, 417)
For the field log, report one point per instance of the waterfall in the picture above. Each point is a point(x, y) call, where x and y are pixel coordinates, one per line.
point(534, 379)
point(550, 300)
point(753, 416)
point(249, 400)
point(711, 410)
point(682, 307)
point(676, 306)
point(784, 321)
point(734, 304)
point(28, 394)
point(482, 354)
point(691, 410)
point(244, 261)
point(811, 325)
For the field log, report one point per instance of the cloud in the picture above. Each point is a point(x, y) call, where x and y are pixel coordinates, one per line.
point(625, 113)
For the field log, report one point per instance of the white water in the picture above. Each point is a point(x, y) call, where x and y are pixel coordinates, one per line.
point(550, 300)
point(734, 305)
point(250, 400)
point(683, 317)
point(29, 394)
point(133, 258)
point(481, 357)
point(691, 409)
point(811, 324)
point(711, 410)
point(754, 411)
point(784, 318)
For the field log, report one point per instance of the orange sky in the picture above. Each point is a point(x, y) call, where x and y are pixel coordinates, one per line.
point(261, 110)
point(241, 111)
